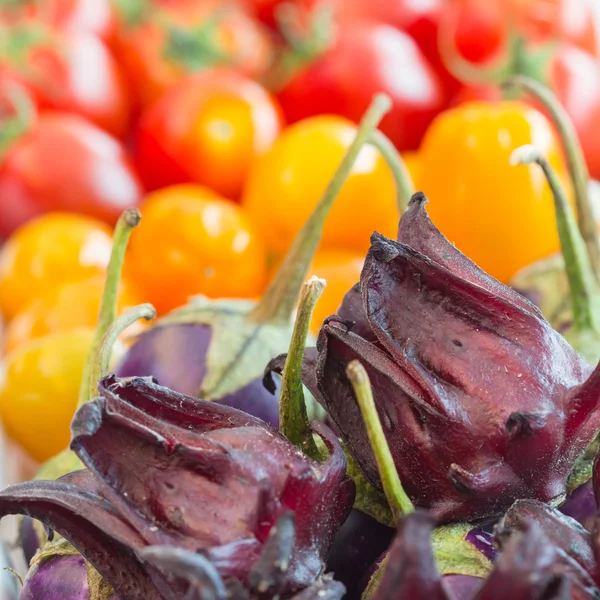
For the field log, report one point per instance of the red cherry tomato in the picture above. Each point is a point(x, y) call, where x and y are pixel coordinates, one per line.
point(74, 72)
point(368, 58)
point(65, 163)
point(95, 17)
point(175, 39)
point(266, 10)
point(207, 130)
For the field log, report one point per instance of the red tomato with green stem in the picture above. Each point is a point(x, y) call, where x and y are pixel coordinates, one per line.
point(172, 40)
point(364, 59)
point(63, 162)
point(208, 129)
point(74, 72)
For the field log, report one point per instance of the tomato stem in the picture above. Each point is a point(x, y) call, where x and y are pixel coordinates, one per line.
point(108, 306)
point(575, 160)
point(585, 295)
point(293, 418)
point(405, 188)
point(118, 326)
point(279, 301)
point(400, 503)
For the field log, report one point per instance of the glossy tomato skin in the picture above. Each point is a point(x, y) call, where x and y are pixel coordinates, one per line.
point(208, 129)
point(368, 58)
point(74, 72)
point(158, 51)
point(480, 202)
point(49, 252)
point(65, 163)
point(207, 246)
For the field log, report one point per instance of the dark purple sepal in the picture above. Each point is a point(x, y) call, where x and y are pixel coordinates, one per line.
point(481, 400)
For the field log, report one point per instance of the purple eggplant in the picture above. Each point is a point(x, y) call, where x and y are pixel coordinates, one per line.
point(217, 350)
point(65, 577)
point(357, 545)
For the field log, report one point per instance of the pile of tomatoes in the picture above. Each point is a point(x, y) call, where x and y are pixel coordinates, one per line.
point(224, 120)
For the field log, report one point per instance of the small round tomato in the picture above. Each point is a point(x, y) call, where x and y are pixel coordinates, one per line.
point(365, 59)
point(68, 306)
point(175, 39)
point(341, 269)
point(39, 389)
point(48, 252)
point(63, 162)
point(266, 10)
point(285, 185)
point(207, 246)
point(501, 216)
point(207, 130)
point(74, 72)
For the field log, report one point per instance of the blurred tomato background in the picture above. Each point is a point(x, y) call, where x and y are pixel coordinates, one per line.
point(224, 120)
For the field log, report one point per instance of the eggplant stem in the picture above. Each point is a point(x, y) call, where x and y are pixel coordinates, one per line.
point(279, 301)
point(400, 503)
point(108, 306)
point(405, 188)
point(575, 160)
point(119, 325)
point(580, 273)
point(293, 417)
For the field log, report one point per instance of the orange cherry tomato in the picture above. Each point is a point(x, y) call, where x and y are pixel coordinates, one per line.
point(501, 216)
point(341, 269)
point(70, 306)
point(194, 241)
point(50, 251)
point(39, 388)
point(207, 130)
point(287, 182)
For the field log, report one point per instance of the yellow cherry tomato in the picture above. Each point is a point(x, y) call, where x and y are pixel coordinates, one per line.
point(71, 306)
point(286, 183)
point(500, 215)
point(194, 241)
point(48, 252)
point(341, 269)
point(39, 388)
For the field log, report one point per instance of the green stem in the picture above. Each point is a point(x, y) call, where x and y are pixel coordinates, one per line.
point(405, 188)
point(108, 306)
point(397, 498)
point(575, 160)
point(279, 301)
point(102, 364)
point(293, 418)
point(582, 282)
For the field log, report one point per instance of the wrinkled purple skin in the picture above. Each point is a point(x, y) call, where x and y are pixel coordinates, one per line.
point(537, 562)
point(58, 578)
point(581, 505)
point(165, 469)
point(175, 355)
point(357, 545)
point(482, 402)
